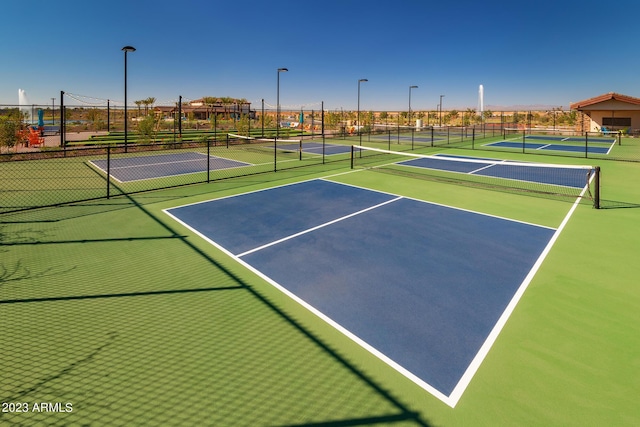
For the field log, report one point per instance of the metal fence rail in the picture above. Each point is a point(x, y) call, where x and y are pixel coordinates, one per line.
point(57, 176)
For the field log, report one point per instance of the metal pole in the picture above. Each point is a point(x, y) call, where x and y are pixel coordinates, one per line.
point(125, 101)
point(360, 133)
point(180, 117)
point(125, 50)
point(275, 143)
point(108, 169)
point(322, 130)
point(409, 116)
point(61, 118)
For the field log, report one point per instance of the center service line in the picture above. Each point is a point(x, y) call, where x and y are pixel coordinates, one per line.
point(317, 227)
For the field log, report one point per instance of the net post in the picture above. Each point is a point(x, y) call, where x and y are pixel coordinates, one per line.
point(300, 148)
point(432, 136)
point(524, 136)
point(227, 140)
point(619, 138)
point(596, 190)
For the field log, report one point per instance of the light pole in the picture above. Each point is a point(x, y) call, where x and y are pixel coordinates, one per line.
point(441, 96)
point(359, 133)
point(280, 70)
point(125, 50)
point(409, 118)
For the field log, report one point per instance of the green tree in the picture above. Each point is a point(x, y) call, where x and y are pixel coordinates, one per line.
point(468, 116)
point(8, 133)
point(148, 128)
point(242, 125)
point(451, 116)
point(95, 117)
point(148, 103)
point(332, 119)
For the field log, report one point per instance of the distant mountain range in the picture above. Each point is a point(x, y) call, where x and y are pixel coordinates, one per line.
point(533, 107)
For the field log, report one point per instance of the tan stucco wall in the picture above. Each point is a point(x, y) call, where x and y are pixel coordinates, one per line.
point(611, 108)
point(596, 118)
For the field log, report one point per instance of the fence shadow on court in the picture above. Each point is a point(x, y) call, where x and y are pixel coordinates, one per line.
point(402, 413)
point(332, 381)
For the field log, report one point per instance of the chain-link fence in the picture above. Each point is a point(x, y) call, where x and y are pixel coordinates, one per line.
point(51, 177)
point(48, 158)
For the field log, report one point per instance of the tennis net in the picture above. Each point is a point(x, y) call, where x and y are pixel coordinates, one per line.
point(532, 135)
point(562, 181)
point(241, 139)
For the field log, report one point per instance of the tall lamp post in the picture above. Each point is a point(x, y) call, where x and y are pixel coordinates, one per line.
point(441, 96)
point(360, 133)
point(409, 118)
point(125, 50)
point(280, 70)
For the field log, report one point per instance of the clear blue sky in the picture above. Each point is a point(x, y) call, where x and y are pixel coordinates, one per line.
point(548, 52)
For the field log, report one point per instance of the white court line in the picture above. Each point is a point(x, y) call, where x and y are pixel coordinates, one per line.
point(275, 242)
point(453, 398)
point(483, 168)
point(473, 367)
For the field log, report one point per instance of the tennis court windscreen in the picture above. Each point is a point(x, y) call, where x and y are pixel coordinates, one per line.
point(562, 181)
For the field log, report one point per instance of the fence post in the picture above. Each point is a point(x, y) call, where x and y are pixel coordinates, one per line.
point(108, 170)
point(473, 138)
point(208, 159)
point(586, 145)
point(596, 192)
point(322, 130)
point(412, 132)
point(352, 157)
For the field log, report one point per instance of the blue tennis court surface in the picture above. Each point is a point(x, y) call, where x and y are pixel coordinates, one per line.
point(552, 146)
point(127, 169)
point(408, 138)
point(565, 177)
point(422, 286)
point(316, 148)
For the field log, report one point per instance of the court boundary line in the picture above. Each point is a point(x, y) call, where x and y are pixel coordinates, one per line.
point(245, 164)
point(608, 145)
point(436, 203)
point(475, 364)
point(465, 379)
point(329, 321)
point(500, 162)
point(317, 227)
point(457, 392)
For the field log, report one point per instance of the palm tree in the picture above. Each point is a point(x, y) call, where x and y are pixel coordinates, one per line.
point(147, 102)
